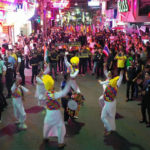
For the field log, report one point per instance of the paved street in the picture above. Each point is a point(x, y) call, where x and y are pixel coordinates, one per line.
point(87, 133)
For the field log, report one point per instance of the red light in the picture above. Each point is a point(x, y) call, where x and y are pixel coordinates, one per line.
point(149, 14)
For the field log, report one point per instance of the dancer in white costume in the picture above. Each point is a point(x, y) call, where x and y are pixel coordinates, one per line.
point(73, 70)
point(108, 75)
point(53, 121)
point(17, 98)
point(40, 89)
point(109, 109)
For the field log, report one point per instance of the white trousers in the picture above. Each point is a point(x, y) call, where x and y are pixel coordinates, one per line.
point(19, 112)
point(54, 125)
point(108, 115)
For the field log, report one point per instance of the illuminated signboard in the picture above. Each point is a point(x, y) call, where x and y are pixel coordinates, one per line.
point(10, 1)
point(123, 6)
point(94, 3)
point(1, 15)
point(60, 3)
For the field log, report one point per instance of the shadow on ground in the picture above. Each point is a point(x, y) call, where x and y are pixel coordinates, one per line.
point(51, 145)
point(118, 116)
point(73, 127)
point(34, 109)
point(9, 130)
point(120, 143)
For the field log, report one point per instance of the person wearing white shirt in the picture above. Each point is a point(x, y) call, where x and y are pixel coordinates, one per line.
point(26, 53)
point(17, 100)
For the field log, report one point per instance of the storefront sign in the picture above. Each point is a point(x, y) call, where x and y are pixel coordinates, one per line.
point(123, 6)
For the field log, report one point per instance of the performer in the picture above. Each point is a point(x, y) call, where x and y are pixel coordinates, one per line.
point(53, 122)
point(65, 100)
point(40, 89)
point(108, 75)
point(73, 70)
point(109, 109)
point(17, 98)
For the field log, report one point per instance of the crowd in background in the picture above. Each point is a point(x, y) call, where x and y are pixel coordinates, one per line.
point(123, 51)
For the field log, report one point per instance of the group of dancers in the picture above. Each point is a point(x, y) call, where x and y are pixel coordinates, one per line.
point(50, 99)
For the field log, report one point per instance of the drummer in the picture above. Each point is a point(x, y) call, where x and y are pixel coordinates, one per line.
point(64, 100)
point(53, 122)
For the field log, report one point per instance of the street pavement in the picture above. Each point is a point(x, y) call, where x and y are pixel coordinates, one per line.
point(85, 133)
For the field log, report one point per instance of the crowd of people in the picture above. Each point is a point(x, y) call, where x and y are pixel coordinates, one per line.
point(116, 52)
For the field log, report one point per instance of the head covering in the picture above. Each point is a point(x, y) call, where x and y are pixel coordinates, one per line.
point(75, 60)
point(48, 82)
point(113, 82)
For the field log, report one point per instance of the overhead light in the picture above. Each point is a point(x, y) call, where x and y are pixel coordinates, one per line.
point(76, 4)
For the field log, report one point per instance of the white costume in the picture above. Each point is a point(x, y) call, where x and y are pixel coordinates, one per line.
point(104, 84)
point(40, 91)
point(73, 74)
point(18, 104)
point(53, 121)
point(109, 111)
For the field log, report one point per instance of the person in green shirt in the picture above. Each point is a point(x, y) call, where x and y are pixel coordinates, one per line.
point(129, 60)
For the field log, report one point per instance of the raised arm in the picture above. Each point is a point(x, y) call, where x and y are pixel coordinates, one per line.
point(24, 89)
point(13, 88)
point(38, 80)
point(74, 74)
point(63, 92)
point(120, 79)
point(103, 82)
point(66, 62)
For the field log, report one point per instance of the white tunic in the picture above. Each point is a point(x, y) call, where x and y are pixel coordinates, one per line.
point(19, 111)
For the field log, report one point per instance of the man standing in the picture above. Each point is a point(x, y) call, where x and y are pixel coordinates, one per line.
point(131, 78)
point(145, 100)
point(2, 72)
point(9, 77)
point(21, 67)
point(34, 63)
point(26, 53)
point(53, 57)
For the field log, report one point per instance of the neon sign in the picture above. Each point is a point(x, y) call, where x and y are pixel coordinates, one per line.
point(123, 6)
point(93, 3)
point(60, 3)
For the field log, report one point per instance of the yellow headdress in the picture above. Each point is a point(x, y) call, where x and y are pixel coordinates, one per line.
point(48, 82)
point(75, 60)
point(113, 82)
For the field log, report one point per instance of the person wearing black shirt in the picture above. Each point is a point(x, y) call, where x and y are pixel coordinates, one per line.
point(9, 77)
point(40, 56)
point(110, 61)
point(100, 61)
point(21, 67)
point(131, 75)
point(53, 57)
point(34, 63)
point(146, 100)
point(5, 44)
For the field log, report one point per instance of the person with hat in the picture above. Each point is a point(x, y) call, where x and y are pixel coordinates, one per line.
point(73, 70)
point(108, 75)
point(53, 121)
point(17, 99)
point(109, 109)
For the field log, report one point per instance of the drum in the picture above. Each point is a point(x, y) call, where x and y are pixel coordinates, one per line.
point(72, 107)
point(79, 98)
